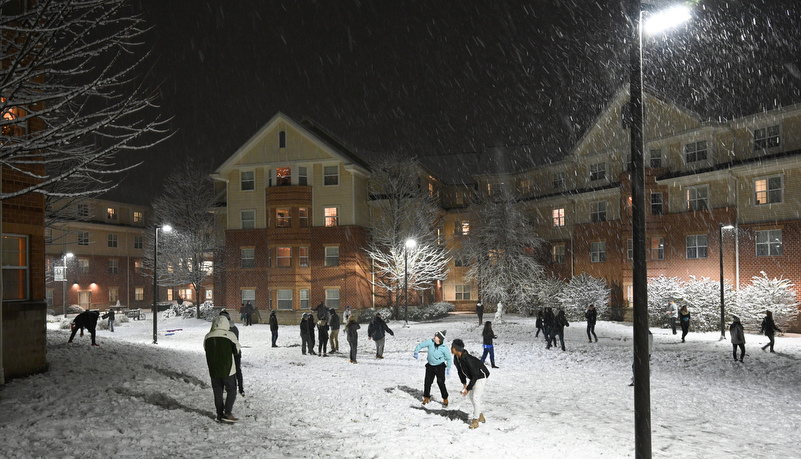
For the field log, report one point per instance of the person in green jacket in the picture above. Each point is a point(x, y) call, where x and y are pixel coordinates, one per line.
point(221, 345)
point(439, 365)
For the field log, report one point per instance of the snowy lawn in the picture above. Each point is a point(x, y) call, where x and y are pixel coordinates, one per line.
point(129, 398)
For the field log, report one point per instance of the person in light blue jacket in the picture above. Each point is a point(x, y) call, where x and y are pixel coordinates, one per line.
point(439, 365)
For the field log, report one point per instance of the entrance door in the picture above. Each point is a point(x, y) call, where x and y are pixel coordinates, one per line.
point(85, 299)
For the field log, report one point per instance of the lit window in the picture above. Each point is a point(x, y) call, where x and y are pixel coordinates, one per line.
point(656, 204)
point(112, 240)
point(139, 242)
point(138, 217)
point(247, 180)
point(303, 217)
point(331, 175)
point(332, 298)
point(462, 291)
point(248, 257)
point(629, 203)
point(113, 294)
point(768, 190)
point(15, 267)
point(558, 216)
point(303, 296)
point(559, 181)
point(597, 252)
point(83, 237)
point(765, 138)
point(139, 294)
point(113, 266)
point(558, 253)
point(303, 177)
point(137, 266)
point(284, 299)
point(303, 257)
point(597, 171)
point(696, 246)
point(209, 294)
point(283, 217)
point(111, 214)
point(598, 211)
point(283, 176)
point(16, 126)
point(697, 198)
point(769, 243)
point(655, 157)
point(332, 256)
point(695, 152)
point(657, 248)
point(629, 249)
point(283, 257)
point(248, 219)
point(331, 216)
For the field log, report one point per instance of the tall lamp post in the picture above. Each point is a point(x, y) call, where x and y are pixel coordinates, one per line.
point(64, 281)
point(410, 244)
point(642, 389)
point(722, 307)
point(166, 229)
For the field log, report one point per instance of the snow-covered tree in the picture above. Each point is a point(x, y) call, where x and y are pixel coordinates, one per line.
point(546, 291)
point(186, 254)
point(581, 292)
point(661, 291)
point(501, 249)
point(702, 297)
point(776, 295)
point(404, 209)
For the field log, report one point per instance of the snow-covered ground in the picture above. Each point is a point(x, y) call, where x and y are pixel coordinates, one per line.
point(129, 398)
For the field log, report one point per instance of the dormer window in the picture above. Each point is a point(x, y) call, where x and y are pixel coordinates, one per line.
point(767, 137)
point(695, 152)
point(283, 176)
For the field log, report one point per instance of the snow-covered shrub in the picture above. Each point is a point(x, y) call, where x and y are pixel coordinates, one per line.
point(764, 294)
point(702, 297)
point(366, 315)
point(580, 292)
point(74, 309)
point(661, 291)
point(430, 312)
point(546, 291)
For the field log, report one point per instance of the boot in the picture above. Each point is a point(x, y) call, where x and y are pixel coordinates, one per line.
point(445, 403)
point(425, 400)
point(474, 424)
point(596, 339)
point(481, 418)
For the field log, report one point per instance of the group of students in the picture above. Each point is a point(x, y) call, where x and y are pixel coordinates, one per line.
point(553, 326)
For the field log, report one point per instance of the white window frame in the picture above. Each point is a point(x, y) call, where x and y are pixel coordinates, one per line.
point(329, 178)
point(17, 246)
point(247, 257)
point(304, 297)
point(558, 217)
point(769, 242)
point(767, 137)
point(247, 219)
point(558, 252)
point(661, 203)
point(697, 246)
point(248, 294)
point(303, 257)
point(139, 293)
point(283, 257)
point(629, 249)
point(698, 151)
point(332, 298)
point(138, 217)
point(247, 180)
point(461, 291)
point(83, 237)
point(655, 158)
point(598, 251)
point(283, 299)
point(766, 192)
point(283, 217)
point(83, 266)
point(303, 176)
point(331, 220)
point(692, 201)
point(113, 266)
point(139, 242)
point(113, 240)
point(597, 172)
point(303, 217)
point(598, 211)
point(657, 248)
point(331, 255)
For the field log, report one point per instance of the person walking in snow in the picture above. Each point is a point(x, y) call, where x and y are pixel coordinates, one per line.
point(249, 311)
point(470, 368)
point(221, 345)
point(548, 321)
point(240, 383)
point(438, 365)
point(684, 320)
point(110, 314)
point(306, 334)
point(352, 330)
point(488, 335)
point(376, 331)
point(539, 324)
point(737, 337)
point(243, 315)
point(769, 328)
point(592, 316)
point(274, 327)
point(673, 315)
point(480, 312)
point(322, 338)
point(559, 324)
point(87, 320)
point(334, 335)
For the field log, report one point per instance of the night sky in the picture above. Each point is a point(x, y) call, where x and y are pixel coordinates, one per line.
point(505, 84)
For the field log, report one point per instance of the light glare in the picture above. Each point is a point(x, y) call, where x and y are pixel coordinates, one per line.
point(666, 19)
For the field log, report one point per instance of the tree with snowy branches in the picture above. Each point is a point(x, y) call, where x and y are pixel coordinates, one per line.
point(581, 292)
point(187, 253)
point(404, 210)
point(546, 290)
point(764, 293)
point(501, 250)
point(661, 291)
point(702, 298)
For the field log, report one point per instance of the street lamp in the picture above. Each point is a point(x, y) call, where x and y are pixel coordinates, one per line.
point(166, 229)
point(64, 281)
point(722, 307)
point(410, 244)
point(642, 389)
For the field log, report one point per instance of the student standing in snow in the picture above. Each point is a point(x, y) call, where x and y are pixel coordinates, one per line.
point(488, 335)
point(238, 357)
point(480, 312)
point(352, 330)
point(559, 324)
point(438, 365)
point(539, 325)
point(346, 315)
point(110, 314)
point(737, 337)
point(87, 320)
point(274, 327)
point(768, 328)
point(376, 332)
point(243, 315)
point(334, 336)
point(673, 314)
point(221, 346)
point(470, 368)
point(305, 338)
point(592, 316)
point(684, 319)
point(548, 322)
point(311, 327)
point(322, 338)
point(249, 311)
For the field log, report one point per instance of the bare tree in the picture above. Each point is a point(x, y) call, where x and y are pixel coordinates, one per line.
point(500, 248)
point(403, 209)
point(186, 254)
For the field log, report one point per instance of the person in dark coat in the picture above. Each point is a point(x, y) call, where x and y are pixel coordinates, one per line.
point(539, 324)
point(559, 324)
point(548, 323)
point(333, 322)
point(488, 335)
point(684, 321)
point(311, 326)
point(240, 383)
point(592, 316)
point(352, 330)
point(87, 320)
point(737, 337)
point(110, 314)
point(473, 369)
point(322, 311)
point(480, 312)
point(249, 311)
point(376, 332)
point(768, 328)
point(243, 315)
point(221, 345)
point(322, 338)
point(306, 334)
point(274, 327)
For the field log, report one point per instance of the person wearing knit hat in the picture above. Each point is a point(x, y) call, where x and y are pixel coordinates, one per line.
point(469, 367)
point(737, 337)
point(438, 365)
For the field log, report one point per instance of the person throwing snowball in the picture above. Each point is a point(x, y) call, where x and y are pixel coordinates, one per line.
point(471, 368)
point(439, 365)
